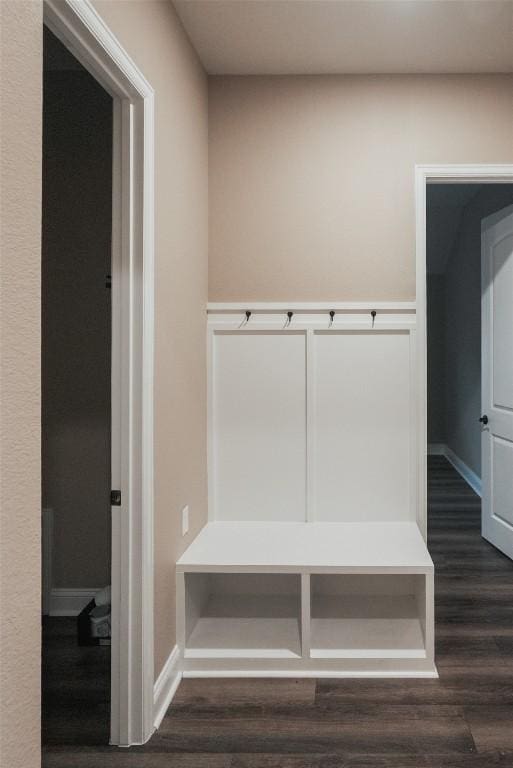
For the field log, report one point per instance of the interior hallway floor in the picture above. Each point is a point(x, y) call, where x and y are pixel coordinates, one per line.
point(462, 720)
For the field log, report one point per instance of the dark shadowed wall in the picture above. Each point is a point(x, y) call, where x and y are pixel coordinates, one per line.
point(76, 318)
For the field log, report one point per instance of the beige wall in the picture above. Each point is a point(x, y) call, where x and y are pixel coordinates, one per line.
point(154, 38)
point(20, 495)
point(311, 178)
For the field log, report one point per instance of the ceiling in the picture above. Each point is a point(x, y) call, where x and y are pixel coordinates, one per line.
point(445, 204)
point(250, 37)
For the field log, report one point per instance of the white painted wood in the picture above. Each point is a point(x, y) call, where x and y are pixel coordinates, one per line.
point(298, 547)
point(253, 638)
point(369, 612)
point(363, 429)
point(311, 432)
point(240, 615)
point(259, 433)
point(69, 602)
point(77, 24)
point(497, 379)
point(360, 377)
point(258, 428)
point(367, 638)
point(315, 319)
point(316, 670)
point(313, 306)
point(359, 616)
point(305, 614)
point(436, 174)
point(166, 686)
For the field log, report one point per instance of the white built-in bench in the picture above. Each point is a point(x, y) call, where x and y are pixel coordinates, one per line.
point(313, 560)
point(306, 598)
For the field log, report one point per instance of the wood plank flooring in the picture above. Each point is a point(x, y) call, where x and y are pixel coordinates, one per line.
point(462, 720)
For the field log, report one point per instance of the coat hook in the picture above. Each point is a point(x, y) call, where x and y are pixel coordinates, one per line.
point(332, 317)
point(373, 315)
point(290, 315)
point(246, 319)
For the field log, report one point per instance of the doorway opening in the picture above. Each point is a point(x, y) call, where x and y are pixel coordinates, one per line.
point(76, 399)
point(464, 337)
point(83, 34)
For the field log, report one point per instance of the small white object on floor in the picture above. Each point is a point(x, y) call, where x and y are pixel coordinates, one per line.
point(103, 597)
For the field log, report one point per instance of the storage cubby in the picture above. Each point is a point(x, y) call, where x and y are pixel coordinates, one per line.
point(367, 616)
point(242, 615)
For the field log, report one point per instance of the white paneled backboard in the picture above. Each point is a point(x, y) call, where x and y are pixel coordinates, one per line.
point(362, 426)
point(312, 420)
point(258, 427)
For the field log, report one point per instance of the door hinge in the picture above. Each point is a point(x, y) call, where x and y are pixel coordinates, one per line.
point(115, 498)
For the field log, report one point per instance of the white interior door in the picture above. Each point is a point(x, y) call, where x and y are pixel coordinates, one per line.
point(497, 380)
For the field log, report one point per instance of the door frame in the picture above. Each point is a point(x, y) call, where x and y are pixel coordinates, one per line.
point(424, 175)
point(80, 28)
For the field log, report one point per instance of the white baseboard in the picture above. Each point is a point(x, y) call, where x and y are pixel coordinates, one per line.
point(47, 559)
point(166, 685)
point(348, 674)
point(69, 602)
point(436, 449)
point(467, 474)
point(440, 449)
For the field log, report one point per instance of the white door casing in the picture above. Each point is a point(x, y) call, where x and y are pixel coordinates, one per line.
point(497, 379)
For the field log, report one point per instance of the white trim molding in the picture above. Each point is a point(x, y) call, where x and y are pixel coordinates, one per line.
point(166, 685)
point(69, 602)
point(311, 306)
point(470, 477)
point(80, 28)
point(436, 449)
point(322, 673)
point(436, 174)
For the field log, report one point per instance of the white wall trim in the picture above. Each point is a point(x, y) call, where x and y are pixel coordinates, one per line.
point(78, 25)
point(69, 602)
point(464, 470)
point(441, 174)
point(436, 449)
point(470, 477)
point(312, 306)
point(166, 685)
point(334, 673)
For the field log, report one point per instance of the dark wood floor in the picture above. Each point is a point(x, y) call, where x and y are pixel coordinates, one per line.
point(462, 720)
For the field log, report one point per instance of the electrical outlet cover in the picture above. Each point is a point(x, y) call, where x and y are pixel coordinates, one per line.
point(185, 520)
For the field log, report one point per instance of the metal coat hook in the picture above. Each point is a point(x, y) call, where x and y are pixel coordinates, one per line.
point(290, 315)
point(246, 319)
point(332, 317)
point(373, 315)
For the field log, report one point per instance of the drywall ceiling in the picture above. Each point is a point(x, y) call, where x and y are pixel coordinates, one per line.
point(445, 204)
point(252, 37)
